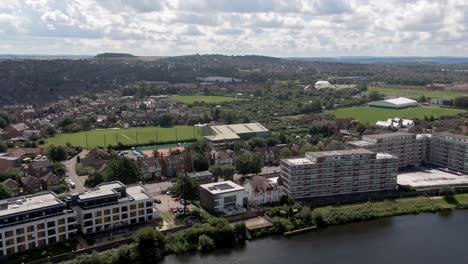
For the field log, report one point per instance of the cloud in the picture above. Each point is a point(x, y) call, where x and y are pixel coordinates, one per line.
point(266, 27)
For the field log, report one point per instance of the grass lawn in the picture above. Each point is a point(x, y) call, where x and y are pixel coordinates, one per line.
point(414, 92)
point(190, 99)
point(130, 136)
point(374, 114)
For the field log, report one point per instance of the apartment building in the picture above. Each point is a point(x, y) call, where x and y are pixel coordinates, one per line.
point(328, 173)
point(113, 204)
point(450, 151)
point(411, 149)
point(33, 221)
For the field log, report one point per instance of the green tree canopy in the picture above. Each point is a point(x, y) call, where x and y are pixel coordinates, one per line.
point(3, 147)
point(248, 163)
point(200, 162)
point(186, 188)
point(125, 170)
point(149, 245)
point(94, 179)
point(257, 142)
point(4, 192)
point(10, 174)
point(57, 153)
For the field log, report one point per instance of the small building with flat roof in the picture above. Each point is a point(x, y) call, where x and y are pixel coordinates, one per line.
point(224, 197)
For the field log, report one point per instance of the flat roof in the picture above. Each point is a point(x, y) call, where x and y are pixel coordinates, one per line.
point(222, 187)
point(28, 203)
point(387, 135)
point(299, 161)
point(137, 192)
point(385, 156)
point(360, 143)
point(401, 101)
point(103, 189)
point(449, 134)
point(230, 132)
point(357, 151)
point(431, 179)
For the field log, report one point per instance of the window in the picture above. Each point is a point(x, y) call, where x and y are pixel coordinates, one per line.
point(87, 216)
point(132, 206)
point(8, 233)
point(61, 221)
point(115, 210)
point(19, 231)
point(98, 213)
point(124, 209)
point(50, 224)
point(30, 228)
point(230, 201)
point(107, 212)
point(141, 205)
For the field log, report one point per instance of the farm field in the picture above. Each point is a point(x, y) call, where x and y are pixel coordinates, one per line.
point(374, 114)
point(414, 92)
point(190, 99)
point(130, 136)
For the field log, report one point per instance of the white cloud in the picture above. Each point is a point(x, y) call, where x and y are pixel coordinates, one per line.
point(267, 27)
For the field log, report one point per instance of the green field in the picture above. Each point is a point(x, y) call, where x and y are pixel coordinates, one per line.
point(414, 92)
point(130, 136)
point(374, 114)
point(190, 99)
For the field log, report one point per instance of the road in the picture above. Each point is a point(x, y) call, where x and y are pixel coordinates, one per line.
point(78, 180)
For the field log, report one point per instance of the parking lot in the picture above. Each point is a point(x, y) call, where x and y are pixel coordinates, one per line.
point(429, 178)
point(167, 203)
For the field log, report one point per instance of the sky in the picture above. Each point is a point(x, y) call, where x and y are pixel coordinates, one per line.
point(280, 28)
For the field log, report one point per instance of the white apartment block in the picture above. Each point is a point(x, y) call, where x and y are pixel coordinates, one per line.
point(328, 173)
point(450, 151)
point(111, 205)
point(33, 221)
point(411, 149)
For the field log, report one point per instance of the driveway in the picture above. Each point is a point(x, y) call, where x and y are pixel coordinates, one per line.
point(158, 187)
point(78, 180)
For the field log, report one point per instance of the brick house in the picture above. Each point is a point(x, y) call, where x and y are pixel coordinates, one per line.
point(13, 186)
point(31, 184)
point(150, 168)
point(97, 158)
point(50, 182)
point(179, 163)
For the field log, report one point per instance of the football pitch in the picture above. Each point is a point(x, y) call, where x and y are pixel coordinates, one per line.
point(129, 136)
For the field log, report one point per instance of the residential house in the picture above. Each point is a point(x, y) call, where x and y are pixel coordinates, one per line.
point(40, 166)
point(50, 182)
point(31, 184)
point(97, 158)
point(25, 152)
point(270, 155)
point(16, 130)
point(8, 162)
point(173, 164)
point(150, 168)
point(261, 190)
point(222, 157)
point(13, 186)
point(201, 177)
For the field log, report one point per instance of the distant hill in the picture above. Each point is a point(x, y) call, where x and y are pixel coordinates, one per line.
point(115, 55)
point(370, 59)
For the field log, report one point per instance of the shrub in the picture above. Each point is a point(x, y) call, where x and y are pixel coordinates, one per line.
point(205, 243)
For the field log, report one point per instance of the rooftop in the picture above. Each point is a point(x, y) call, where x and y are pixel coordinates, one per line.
point(137, 192)
point(298, 161)
point(28, 203)
point(227, 132)
point(320, 154)
point(401, 100)
point(103, 189)
point(222, 187)
point(451, 135)
point(360, 143)
point(387, 135)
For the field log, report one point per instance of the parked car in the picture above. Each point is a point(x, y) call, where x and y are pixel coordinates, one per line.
point(173, 210)
point(156, 200)
point(180, 209)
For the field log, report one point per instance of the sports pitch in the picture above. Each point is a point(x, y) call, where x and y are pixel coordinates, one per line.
point(374, 114)
point(130, 136)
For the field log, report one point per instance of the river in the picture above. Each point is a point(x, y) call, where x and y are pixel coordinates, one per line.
point(424, 238)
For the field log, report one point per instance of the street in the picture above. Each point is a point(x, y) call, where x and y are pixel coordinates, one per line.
point(78, 180)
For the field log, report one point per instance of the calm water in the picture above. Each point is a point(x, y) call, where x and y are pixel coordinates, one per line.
point(424, 238)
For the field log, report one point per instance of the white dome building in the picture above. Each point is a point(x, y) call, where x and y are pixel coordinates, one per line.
point(322, 84)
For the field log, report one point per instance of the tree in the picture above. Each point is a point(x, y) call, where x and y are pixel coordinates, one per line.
point(10, 174)
point(217, 171)
point(205, 243)
point(375, 96)
point(422, 99)
point(248, 163)
point(149, 245)
point(57, 153)
point(447, 192)
point(78, 159)
point(166, 120)
point(305, 215)
point(285, 153)
point(125, 170)
point(59, 169)
point(228, 172)
point(3, 147)
point(94, 179)
point(4, 120)
point(123, 255)
point(186, 188)
point(200, 162)
point(461, 102)
point(5, 193)
point(257, 142)
point(271, 142)
point(286, 200)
